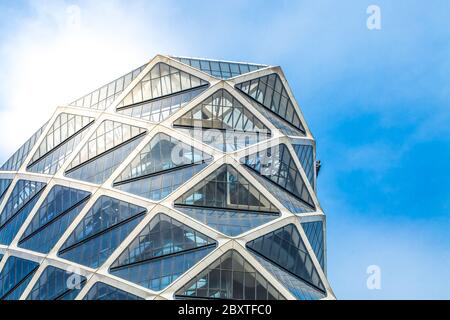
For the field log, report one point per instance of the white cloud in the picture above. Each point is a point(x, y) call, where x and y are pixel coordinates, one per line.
point(62, 51)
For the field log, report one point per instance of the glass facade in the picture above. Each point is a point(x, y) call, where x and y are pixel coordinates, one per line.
point(161, 81)
point(15, 276)
point(271, 93)
point(159, 109)
point(277, 165)
point(4, 185)
point(315, 235)
point(161, 253)
point(19, 205)
point(230, 277)
point(101, 231)
point(285, 248)
point(226, 188)
point(61, 206)
point(305, 154)
point(103, 97)
point(102, 291)
point(161, 167)
point(298, 288)
point(57, 284)
point(152, 185)
point(289, 201)
point(229, 222)
point(63, 136)
point(223, 122)
point(105, 151)
point(220, 69)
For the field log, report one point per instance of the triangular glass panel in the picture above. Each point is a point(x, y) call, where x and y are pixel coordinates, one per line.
point(220, 69)
point(157, 110)
point(19, 205)
point(105, 151)
point(299, 289)
point(285, 127)
point(285, 248)
point(64, 135)
point(161, 167)
point(227, 189)
point(163, 251)
point(223, 122)
point(15, 162)
point(101, 231)
point(61, 206)
point(229, 277)
point(15, 276)
point(229, 222)
point(314, 233)
point(293, 204)
point(103, 291)
point(161, 81)
point(57, 284)
point(102, 98)
point(305, 154)
point(4, 185)
point(271, 93)
point(277, 165)
point(1, 257)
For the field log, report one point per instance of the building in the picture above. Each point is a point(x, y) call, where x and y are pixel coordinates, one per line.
point(186, 178)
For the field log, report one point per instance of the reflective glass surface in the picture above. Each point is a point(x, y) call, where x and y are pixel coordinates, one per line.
point(57, 284)
point(292, 203)
point(277, 164)
point(285, 248)
point(105, 151)
point(226, 188)
point(64, 135)
point(163, 251)
point(65, 126)
point(102, 291)
point(229, 277)
point(229, 222)
point(162, 80)
point(4, 185)
point(19, 205)
point(223, 122)
point(103, 97)
point(300, 289)
point(101, 231)
point(220, 69)
point(161, 167)
point(15, 276)
point(305, 154)
point(315, 235)
point(159, 109)
point(61, 206)
point(270, 92)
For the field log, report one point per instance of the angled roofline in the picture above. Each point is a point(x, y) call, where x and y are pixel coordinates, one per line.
point(216, 60)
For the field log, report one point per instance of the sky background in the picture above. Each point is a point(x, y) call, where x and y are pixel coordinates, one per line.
point(378, 103)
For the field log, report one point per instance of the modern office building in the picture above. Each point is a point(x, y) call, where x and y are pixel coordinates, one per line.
point(184, 179)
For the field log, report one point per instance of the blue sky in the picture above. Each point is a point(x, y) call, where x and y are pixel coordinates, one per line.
point(376, 101)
